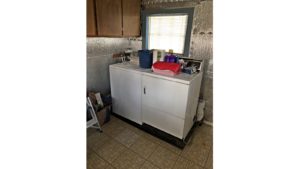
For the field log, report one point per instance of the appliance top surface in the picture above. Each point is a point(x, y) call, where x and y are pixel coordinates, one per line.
point(181, 77)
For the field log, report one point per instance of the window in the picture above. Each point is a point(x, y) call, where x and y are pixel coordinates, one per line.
point(168, 29)
point(167, 32)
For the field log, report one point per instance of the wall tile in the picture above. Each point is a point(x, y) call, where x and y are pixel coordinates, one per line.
point(99, 57)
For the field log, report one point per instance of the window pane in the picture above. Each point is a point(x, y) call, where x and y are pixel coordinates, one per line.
point(167, 32)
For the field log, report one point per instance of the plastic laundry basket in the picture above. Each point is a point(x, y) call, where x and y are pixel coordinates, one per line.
point(145, 58)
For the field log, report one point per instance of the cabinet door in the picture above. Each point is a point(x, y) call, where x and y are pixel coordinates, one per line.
point(131, 17)
point(126, 93)
point(90, 18)
point(164, 104)
point(109, 17)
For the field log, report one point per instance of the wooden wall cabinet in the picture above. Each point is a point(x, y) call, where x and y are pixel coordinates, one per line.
point(91, 29)
point(131, 17)
point(115, 18)
point(109, 17)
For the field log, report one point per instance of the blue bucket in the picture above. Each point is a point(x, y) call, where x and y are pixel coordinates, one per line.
point(145, 58)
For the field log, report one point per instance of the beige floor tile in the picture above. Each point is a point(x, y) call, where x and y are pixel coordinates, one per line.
point(109, 167)
point(135, 129)
point(96, 140)
point(182, 163)
point(113, 128)
point(130, 127)
point(110, 146)
point(143, 147)
point(196, 153)
point(209, 162)
point(171, 147)
point(152, 138)
point(202, 135)
point(163, 158)
point(162, 143)
point(148, 165)
point(90, 131)
point(89, 151)
point(204, 130)
point(128, 159)
point(110, 150)
point(127, 137)
point(114, 119)
point(123, 123)
point(198, 148)
point(95, 162)
point(204, 141)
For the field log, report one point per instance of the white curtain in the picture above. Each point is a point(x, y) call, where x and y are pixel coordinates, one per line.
point(167, 32)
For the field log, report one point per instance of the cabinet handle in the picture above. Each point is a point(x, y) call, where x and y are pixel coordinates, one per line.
point(144, 90)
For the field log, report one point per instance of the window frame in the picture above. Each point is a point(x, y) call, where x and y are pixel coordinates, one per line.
point(168, 12)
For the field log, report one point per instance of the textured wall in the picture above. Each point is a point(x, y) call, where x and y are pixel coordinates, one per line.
point(201, 41)
point(99, 57)
point(202, 48)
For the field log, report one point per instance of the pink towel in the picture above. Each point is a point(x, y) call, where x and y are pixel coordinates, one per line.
point(174, 67)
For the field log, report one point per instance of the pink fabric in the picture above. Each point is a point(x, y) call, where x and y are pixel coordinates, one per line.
point(174, 67)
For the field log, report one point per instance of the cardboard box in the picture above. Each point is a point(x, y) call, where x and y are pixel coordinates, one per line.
point(102, 111)
point(103, 115)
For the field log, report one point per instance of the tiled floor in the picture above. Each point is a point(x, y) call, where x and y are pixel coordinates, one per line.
point(123, 146)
